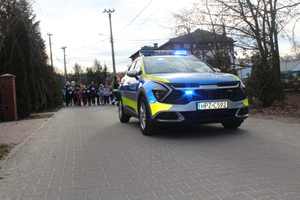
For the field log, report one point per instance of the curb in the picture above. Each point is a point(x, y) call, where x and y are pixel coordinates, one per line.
point(23, 142)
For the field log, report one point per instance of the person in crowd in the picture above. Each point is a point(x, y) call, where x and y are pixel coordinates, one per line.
point(97, 96)
point(93, 92)
point(77, 85)
point(101, 94)
point(115, 86)
point(63, 96)
point(106, 93)
point(88, 94)
point(70, 96)
point(79, 96)
point(84, 95)
point(75, 96)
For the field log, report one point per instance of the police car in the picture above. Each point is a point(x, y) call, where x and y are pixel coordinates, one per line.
point(170, 87)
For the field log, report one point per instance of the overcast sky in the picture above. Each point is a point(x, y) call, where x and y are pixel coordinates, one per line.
point(84, 29)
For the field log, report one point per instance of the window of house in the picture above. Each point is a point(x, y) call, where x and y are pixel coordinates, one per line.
point(176, 46)
point(186, 46)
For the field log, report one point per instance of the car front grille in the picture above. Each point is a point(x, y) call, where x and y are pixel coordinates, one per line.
point(179, 97)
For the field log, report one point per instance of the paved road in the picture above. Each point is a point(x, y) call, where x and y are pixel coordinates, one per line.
point(86, 153)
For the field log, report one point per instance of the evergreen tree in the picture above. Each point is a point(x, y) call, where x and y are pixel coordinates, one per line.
point(262, 82)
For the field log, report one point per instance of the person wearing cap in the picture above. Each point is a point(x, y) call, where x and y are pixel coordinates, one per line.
point(101, 94)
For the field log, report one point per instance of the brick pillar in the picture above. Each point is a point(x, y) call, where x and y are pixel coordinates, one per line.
point(9, 99)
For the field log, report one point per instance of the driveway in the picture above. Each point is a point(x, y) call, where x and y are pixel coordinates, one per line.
point(86, 153)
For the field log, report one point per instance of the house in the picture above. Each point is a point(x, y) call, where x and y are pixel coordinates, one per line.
point(291, 67)
point(200, 43)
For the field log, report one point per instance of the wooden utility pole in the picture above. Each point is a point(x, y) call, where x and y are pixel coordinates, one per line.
point(111, 38)
point(65, 68)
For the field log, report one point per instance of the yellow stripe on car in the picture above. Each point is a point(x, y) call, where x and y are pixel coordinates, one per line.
point(156, 107)
point(129, 102)
point(155, 78)
point(246, 103)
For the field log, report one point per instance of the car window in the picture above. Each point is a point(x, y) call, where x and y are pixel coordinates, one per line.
point(138, 67)
point(131, 67)
point(174, 64)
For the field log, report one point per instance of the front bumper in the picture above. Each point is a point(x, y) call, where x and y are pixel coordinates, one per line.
point(236, 111)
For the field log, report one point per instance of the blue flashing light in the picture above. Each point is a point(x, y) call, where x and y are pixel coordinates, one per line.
point(146, 52)
point(180, 52)
point(189, 92)
point(152, 101)
point(163, 52)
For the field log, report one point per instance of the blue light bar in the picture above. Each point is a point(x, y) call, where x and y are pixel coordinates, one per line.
point(180, 52)
point(163, 52)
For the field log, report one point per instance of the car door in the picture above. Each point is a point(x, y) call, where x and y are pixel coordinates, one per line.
point(127, 92)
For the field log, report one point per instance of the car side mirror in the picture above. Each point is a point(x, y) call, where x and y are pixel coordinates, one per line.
point(217, 70)
point(133, 74)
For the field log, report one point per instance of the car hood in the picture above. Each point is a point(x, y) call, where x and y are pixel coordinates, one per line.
point(200, 78)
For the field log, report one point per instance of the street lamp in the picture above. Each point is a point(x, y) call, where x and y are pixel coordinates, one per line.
point(111, 38)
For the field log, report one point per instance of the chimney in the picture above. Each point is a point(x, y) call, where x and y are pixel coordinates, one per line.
point(155, 45)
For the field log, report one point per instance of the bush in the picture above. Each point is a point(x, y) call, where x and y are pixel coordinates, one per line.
point(263, 84)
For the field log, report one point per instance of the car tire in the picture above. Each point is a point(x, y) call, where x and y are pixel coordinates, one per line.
point(232, 125)
point(144, 118)
point(122, 116)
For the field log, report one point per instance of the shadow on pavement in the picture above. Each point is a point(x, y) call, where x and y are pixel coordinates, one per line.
point(192, 131)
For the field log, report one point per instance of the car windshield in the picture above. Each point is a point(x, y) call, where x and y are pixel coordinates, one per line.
point(174, 64)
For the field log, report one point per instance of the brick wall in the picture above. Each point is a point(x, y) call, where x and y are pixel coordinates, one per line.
point(9, 99)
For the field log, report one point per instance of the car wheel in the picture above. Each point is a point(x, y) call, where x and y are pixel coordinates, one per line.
point(232, 125)
point(144, 118)
point(122, 116)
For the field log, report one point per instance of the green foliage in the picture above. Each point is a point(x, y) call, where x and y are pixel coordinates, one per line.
point(96, 73)
point(222, 61)
point(291, 81)
point(4, 150)
point(23, 54)
point(262, 83)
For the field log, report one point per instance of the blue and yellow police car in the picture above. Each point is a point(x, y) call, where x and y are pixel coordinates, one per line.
point(170, 87)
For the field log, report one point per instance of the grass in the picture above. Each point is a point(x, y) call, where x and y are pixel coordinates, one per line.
point(4, 150)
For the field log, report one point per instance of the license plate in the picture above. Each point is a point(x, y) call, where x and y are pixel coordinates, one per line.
point(212, 105)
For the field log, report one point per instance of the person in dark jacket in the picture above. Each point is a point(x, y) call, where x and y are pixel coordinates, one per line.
point(115, 86)
point(93, 92)
point(88, 95)
point(84, 95)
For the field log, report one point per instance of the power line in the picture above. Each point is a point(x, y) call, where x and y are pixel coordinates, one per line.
point(143, 22)
point(89, 45)
point(134, 18)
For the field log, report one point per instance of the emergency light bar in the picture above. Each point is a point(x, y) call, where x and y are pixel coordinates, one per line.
point(163, 52)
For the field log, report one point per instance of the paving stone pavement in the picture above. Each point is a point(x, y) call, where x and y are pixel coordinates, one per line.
point(85, 153)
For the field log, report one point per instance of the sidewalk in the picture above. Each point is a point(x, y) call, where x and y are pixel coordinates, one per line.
point(14, 132)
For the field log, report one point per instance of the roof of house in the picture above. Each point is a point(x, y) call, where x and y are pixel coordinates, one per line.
point(289, 66)
point(200, 36)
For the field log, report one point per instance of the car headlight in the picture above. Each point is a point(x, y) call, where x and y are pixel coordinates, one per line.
point(160, 92)
point(242, 86)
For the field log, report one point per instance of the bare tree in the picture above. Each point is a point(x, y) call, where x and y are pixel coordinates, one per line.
point(255, 24)
point(258, 23)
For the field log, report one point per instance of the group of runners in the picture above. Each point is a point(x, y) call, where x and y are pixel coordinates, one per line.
point(90, 95)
